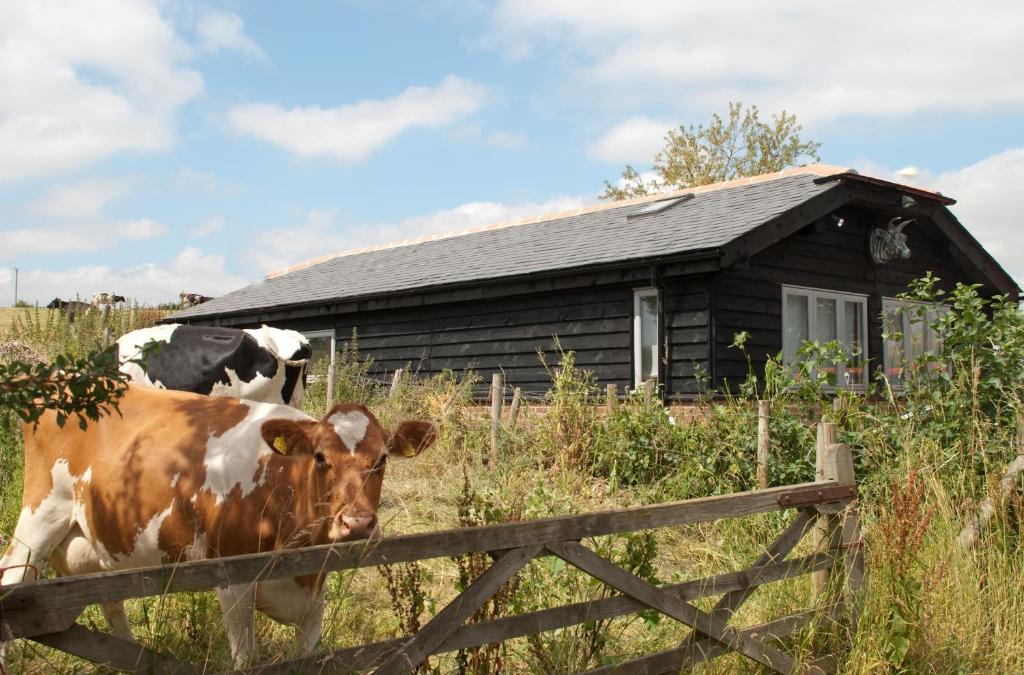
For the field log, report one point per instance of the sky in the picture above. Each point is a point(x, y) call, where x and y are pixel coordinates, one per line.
point(149, 147)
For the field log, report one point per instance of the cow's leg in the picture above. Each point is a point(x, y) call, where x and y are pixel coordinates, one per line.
point(76, 555)
point(296, 604)
point(238, 606)
point(38, 532)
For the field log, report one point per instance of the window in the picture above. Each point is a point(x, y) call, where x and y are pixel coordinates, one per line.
point(909, 336)
point(646, 311)
point(323, 345)
point(823, 316)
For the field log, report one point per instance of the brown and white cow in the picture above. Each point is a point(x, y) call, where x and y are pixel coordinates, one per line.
point(179, 476)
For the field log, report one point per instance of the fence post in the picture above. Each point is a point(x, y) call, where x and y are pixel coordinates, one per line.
point(513, 410)
point(497, 399)
point(828, 435)
point(396, 382)
point(842, 536)
point(331, 379)
point(611, 398)
point(649, 388)
point(763, 443)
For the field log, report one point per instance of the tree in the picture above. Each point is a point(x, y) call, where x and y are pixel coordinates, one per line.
point(86, 387)
point(742, 145)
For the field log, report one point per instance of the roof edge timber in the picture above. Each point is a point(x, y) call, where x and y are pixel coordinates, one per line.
point(824, 171)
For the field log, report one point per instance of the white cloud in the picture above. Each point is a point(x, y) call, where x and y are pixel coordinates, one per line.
point(148, 283)
point(208, 227)
point(320, 233)
point(75, 238)
point(349, 133)
point(986, 194)
point(634, 141)
point(81, 199)
point(819, 60)
point(220, 29)
point(85, 79)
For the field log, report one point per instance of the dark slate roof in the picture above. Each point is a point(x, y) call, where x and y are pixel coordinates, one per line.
point(708, 221)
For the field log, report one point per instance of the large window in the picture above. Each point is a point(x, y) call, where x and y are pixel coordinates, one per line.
point(646, 311)
point(909, 337)
point(822, 316)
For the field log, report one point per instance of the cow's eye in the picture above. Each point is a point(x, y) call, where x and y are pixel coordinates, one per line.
point(321, 460)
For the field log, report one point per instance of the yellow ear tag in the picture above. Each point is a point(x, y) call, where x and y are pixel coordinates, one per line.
point(408, 450)
point(281, 445)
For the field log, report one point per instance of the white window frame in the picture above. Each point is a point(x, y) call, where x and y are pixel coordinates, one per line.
point(906, 309)
point(812, 295)
point(334, 348)
point(638, 295)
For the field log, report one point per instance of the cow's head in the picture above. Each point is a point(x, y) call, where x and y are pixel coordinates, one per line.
point(345, 454)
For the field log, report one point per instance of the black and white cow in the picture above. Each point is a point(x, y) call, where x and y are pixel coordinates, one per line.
point(258, 364)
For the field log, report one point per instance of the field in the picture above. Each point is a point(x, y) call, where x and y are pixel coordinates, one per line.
point(925, 458)
point(9, 314)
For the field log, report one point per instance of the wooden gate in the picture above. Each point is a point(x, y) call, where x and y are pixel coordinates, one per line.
point(46, 610)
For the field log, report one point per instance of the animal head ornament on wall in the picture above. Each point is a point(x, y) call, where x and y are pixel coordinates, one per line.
point(888, 243)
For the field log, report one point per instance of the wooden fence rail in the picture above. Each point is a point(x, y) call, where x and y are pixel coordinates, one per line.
point(46, 610)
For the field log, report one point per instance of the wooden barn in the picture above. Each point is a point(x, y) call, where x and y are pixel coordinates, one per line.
point(655, 287)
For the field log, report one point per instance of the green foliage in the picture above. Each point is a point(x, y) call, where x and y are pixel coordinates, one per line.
point(86, 387)
point(741, 145)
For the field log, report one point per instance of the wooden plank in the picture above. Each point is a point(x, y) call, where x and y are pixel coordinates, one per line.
point(106, 650)
point(779, 549)
point(683, 658)
point(365, 656)
point(430, 637)
point(26, 605)
point(618, 578)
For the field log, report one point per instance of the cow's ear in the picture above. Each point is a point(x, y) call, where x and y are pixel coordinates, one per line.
point(411, 438)
point(286, 437)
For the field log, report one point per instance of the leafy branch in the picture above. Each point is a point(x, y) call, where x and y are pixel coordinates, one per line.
point(86, 387)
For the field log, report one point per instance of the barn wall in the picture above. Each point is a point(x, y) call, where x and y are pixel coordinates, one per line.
point(596, 322)
point(686, 354)
point(750, 297)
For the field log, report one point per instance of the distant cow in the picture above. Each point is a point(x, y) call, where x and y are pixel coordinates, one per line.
point(71, 307)
point(259, 364)
point(105, 299)
point(193, 299)
point(176, 476)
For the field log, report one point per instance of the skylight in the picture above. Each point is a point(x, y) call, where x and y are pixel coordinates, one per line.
point(660, 205)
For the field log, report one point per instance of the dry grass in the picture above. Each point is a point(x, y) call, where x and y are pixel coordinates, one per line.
point(9, 314)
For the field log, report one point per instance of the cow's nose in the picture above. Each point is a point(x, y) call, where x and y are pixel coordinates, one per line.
point(354, 526)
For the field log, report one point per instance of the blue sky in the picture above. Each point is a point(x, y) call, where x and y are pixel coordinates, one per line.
point(150, 146)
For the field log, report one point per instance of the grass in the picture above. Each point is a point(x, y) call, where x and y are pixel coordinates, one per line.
point(927, 606)
point(9, 314)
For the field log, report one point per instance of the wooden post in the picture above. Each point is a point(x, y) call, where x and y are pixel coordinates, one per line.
point(844, 580)
point(513, 410)
point(763, 443)
point(828, 435)
point(396, 382)
point(650, 386)
point(611, 399)
point(331, 377)
point(497, 399)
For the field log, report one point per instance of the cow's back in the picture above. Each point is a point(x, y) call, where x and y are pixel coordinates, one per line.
point(259, 364)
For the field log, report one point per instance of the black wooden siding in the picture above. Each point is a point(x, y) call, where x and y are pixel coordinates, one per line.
point(749, 297)
point(505, 333)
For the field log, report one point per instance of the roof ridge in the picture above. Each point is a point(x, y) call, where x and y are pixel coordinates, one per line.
point(809, 169)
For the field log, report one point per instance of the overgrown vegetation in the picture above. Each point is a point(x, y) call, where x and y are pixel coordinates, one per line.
point(925, 456)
